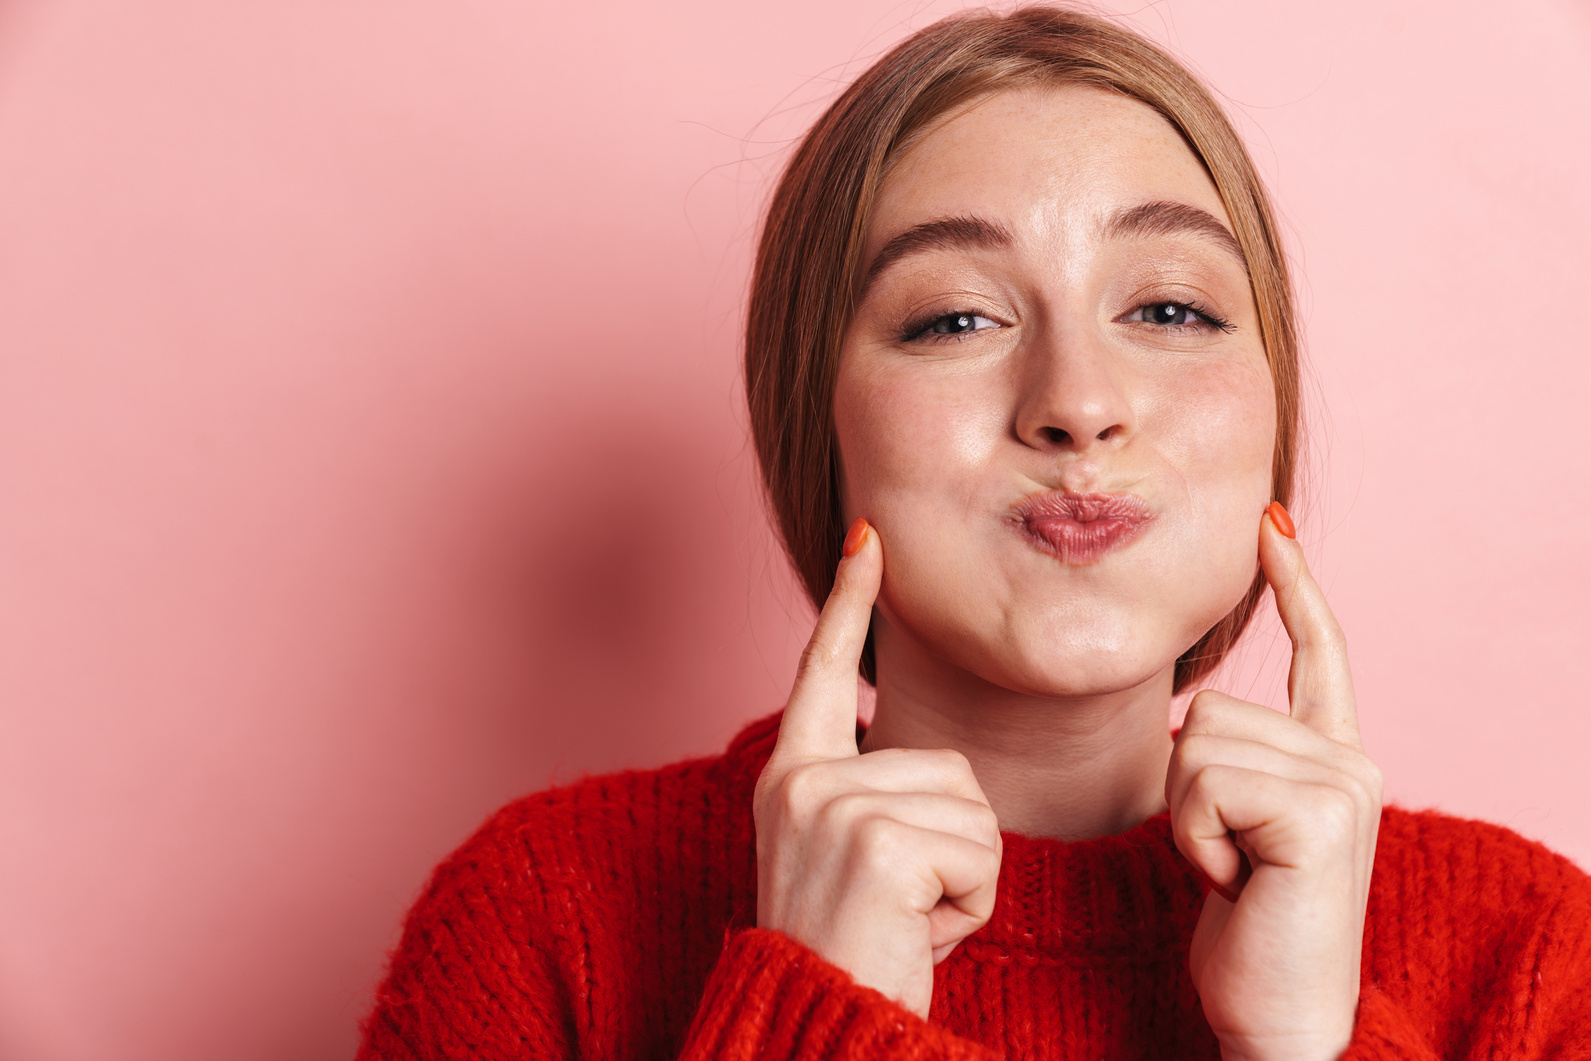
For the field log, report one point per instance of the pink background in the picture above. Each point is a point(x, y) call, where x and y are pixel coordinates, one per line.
point(371, 448)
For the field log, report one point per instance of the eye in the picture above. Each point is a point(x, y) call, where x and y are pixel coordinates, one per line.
point(949, 325)
point(1172, 313)
point(1176, 315)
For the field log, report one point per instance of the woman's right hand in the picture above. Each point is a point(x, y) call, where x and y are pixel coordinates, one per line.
point(880, 863)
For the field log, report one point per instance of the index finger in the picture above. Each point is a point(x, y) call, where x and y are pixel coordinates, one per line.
point(1319, 683)
point(820, 718)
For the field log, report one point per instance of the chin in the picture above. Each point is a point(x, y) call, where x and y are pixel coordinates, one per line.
point(1088, 649)
point(1068, 671)
point(1056, 657)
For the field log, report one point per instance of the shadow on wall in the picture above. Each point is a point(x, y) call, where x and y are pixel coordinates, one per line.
point(596, 615)
point(593, 609)
point(624, 617)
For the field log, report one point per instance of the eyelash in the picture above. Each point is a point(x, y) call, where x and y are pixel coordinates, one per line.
point(1208, 318)
point(917, 330)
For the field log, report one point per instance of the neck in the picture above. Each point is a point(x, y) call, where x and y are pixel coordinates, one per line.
point(1068, 767)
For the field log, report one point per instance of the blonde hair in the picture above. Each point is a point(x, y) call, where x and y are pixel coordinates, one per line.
point(812, 239)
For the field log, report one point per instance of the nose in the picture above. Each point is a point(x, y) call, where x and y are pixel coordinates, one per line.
point(1075, 396)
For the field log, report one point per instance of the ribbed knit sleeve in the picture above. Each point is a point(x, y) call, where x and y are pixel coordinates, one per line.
point(1478, 946)
point(772, 999)
point(1383, 1031)
point(467, 981)
point(1539, 1009)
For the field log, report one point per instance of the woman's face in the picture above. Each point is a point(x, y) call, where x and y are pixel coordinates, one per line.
point(1053, 401)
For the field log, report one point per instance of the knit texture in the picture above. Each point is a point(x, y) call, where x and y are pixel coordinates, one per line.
point(615, 918)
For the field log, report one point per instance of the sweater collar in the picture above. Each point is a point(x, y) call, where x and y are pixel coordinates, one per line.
point(1130, 895)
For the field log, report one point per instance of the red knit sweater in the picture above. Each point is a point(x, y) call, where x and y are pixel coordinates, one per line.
point(615, 919)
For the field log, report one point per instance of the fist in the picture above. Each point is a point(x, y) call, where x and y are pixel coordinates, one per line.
point(881, 863)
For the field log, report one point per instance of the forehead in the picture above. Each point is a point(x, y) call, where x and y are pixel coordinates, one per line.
point(1044, 161)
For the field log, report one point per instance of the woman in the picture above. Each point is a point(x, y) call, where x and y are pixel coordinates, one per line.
point(1019, 321)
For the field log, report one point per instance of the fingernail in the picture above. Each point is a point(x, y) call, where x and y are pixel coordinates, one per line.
point(1283, 521)
point(854, 538)
point(1245, 870)
point(1224, 892)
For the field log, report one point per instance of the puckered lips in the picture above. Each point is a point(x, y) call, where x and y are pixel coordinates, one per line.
point(1081, 528)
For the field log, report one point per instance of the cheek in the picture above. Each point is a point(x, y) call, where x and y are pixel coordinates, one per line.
point(910, 444)
point(1219, 426)
point(1219, 434)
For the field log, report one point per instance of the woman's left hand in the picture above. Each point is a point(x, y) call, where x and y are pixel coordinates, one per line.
point(1276, 959)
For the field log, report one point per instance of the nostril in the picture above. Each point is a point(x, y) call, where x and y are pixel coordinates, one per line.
point(1057, 436)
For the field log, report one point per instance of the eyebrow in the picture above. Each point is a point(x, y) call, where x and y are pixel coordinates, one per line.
point(945, 232)
point(1167, 218)
point(1162, 217)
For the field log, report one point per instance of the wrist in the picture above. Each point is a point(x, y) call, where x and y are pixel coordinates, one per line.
point(1287, 1048)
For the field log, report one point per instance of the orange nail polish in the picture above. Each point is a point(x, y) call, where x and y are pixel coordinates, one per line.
point(854, 538)
point(1283, 521)
point(1224, 892)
